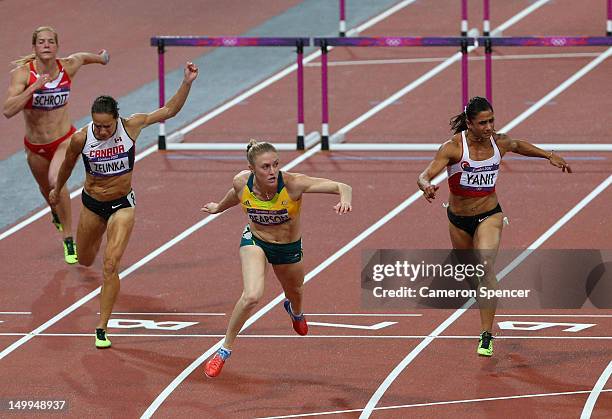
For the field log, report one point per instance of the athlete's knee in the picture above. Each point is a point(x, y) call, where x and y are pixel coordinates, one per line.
point(250, 299)
point(110, 266)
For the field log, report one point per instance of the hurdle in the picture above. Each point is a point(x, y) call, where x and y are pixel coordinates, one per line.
point(394, 42)
point(161, 42)
point(534, 41)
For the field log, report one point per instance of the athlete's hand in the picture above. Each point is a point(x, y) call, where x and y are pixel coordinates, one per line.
point(343, 208)
point(559, 162)
point(105, 57)
point(430, 192)
point(41, 81)
point(210, 208)
point(191, 72)
point(53, 197)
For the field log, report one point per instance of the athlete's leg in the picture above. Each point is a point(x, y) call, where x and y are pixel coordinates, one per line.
point(62, 208)
point(254, 263)
point(39, 166)
point(291, 278)
point(486, 241)
point(119, 229)
point(89, 235)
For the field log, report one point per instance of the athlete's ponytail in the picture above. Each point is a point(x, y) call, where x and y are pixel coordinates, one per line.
point(255, 148)
point(30, 57)
point(476, 105)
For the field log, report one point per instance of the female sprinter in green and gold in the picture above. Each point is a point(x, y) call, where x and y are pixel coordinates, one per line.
point(272, 201)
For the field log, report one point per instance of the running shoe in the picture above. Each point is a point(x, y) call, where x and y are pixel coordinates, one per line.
point(213, 366)
point(101, 339)
point(485, 346)
point(299, 322)
point(70, 251)
point(56, 221)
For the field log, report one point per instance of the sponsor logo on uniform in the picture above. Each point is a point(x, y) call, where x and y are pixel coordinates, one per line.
point(246, 203)
point(465, 165)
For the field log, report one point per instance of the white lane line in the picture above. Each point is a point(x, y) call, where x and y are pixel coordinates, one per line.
point(443, 403)
point(196, 363)
point(441, 59)
point(160, 250)
point(15, 312)
point(554, 315)
point(288, 70)
point(597, 389)
point(600, 188)
point(563, 86)
point(261, 312)
point(309, 336)
point(364, 314)
point(47, 210)
point(339, 135)
point(367, 411)
point(168, 313)
point(236, 101)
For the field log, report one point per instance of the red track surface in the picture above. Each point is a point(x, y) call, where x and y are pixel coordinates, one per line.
point(288, 374)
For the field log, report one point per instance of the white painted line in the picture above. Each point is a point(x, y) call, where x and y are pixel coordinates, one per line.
point(597, 389)
point(288, 70)
point(441, 59)
point(135, 266)
point(197, 362)
point(376, 326)
point(47, 210)
point(559, 89)
point(600, 188)
point(169, 313)
point(449, 402)
point(554, 315)
point(451, 319)
point(15, 312)
point(431, 73)
point(363, 314)
point(310, 336)
point(367, 232)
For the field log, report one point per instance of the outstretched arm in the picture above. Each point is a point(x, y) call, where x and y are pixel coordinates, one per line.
point(306, 184)
point(229, 200)
point(137, 122)
point(525, 148)
point(73, 62)
point(440, 161)
point(19, 93)
point(77, 141)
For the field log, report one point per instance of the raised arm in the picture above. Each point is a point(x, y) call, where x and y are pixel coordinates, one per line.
point(19, 93)
point(137, 122)
point(305, 184)
point(447, 152)
point(77, 141)
point(525, 148)
point(230, 199)
point(73, 62)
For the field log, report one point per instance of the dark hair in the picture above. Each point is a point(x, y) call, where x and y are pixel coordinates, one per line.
point(476, 105)
point(255, 148)
point(105, 104)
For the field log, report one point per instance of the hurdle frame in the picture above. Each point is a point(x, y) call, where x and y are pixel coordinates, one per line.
point(161, 42)
point(393, 42)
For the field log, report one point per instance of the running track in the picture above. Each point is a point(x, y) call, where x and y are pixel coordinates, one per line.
point(273, 372)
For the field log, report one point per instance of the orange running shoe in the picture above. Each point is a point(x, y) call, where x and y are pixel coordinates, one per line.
point(213, 366)
point(299, 322)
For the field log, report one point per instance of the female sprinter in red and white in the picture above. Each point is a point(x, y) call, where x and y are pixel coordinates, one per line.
point(472, 158)
point(40, 87)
